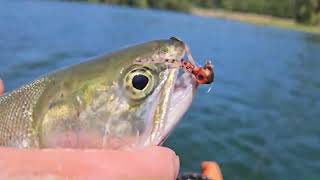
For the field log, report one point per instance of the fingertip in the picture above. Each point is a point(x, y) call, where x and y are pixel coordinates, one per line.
point(175, 161)
point(177, 167)
point(164, 151)
point(1, 87)
point(166, 161)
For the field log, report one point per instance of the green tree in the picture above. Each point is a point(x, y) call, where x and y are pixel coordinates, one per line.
point(304, 11)
point(281, 8)
point(178, 5)
point(204, 3)
point(139, 3)
point(308, 11)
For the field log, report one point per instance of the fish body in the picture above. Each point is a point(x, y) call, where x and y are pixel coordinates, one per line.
point(127, 99)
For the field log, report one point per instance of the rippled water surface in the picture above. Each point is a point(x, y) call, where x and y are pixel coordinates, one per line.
point(260, 121)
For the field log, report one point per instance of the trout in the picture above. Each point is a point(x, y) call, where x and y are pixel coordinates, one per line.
point(127, 99)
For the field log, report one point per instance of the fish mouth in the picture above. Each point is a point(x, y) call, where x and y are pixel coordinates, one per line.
point(175, 98)
point(182, 95)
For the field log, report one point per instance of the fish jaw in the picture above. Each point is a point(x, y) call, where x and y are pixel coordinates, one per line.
point(175, 99)
point(182, 96)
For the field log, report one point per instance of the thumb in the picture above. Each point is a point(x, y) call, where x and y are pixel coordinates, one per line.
point(149, 163)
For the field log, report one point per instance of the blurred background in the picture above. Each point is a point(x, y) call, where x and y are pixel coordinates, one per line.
point(261, 118)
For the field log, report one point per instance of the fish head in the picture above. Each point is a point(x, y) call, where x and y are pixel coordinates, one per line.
point(136, 97)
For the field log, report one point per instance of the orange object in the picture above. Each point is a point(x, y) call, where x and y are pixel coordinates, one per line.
point(204, 75)
point(211, 170)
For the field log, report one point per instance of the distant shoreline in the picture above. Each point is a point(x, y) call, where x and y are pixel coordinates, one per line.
point(262, 20)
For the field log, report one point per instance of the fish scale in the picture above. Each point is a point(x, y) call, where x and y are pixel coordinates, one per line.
point(16, 110)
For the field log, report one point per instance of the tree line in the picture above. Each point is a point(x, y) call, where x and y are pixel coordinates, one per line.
point(303, 11)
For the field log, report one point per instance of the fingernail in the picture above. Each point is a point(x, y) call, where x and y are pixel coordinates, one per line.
point(177, 166)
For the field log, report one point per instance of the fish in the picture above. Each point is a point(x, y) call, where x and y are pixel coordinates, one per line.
point(131, 98)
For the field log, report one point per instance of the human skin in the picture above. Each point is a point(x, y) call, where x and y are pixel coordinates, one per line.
point(1, 87)
point(156, 163)
point(149, 163)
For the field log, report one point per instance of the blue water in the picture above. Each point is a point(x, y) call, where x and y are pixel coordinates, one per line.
point(261, 119)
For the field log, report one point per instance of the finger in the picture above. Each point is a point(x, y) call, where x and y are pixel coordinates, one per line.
point(1, 87)
point(150, 163)
point(211, 170)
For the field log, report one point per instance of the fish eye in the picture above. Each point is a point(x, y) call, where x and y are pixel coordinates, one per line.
point(139, 82)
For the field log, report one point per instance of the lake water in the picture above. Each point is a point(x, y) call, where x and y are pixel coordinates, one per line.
point(261, 119)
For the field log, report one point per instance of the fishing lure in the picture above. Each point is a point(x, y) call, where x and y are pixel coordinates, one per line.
point(203, 75)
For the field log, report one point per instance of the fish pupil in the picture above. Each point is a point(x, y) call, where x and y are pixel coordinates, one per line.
point(140, 81)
